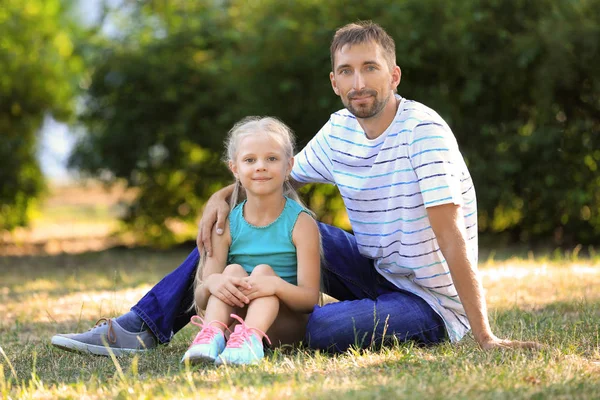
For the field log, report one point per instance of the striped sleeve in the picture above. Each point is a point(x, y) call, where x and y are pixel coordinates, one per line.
point(313, 163)
point(437, 162)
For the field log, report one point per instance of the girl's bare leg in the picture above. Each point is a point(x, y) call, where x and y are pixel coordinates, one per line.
point(282, 325)
point(216, 309)
point(262, 311)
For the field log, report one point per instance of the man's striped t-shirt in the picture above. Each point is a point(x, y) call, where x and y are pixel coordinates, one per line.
point(386, 184)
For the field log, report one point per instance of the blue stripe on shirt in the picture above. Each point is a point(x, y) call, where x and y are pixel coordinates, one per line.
point(388, 222)
point(385, 210)
point(354, 143)
point(399, 132)
point(347, 128)
point(394, 242)
point(433, 276)
point(354, 156)
point(317, 171)
point(398, 184)
point(391, 233)
point(425, 138)
point(406, 120)
point(324, 152)
point(428, 151)
point(382, 198)
point(412, 268)
point(370, 176)
point(321, 161)
point(409, 255)
point(438, 200)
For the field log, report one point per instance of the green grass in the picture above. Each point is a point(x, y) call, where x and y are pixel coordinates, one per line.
point(555, 300)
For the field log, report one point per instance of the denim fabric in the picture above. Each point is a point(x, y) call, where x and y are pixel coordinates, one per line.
point(165, 308)
point(369, 305)
point(371, 310)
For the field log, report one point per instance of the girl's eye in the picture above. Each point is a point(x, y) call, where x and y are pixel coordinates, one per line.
point(272, 158)
point(249, 160)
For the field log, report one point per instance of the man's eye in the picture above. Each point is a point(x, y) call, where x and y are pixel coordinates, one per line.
point(345, 72)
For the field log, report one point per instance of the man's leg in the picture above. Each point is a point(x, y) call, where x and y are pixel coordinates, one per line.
point(165, 309)
point(397, 315)
point(370, 309)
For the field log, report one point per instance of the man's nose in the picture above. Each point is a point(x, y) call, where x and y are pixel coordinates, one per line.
point(359, 82)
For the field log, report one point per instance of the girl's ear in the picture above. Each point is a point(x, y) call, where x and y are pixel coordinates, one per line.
point(290, 166)
point(233, 169)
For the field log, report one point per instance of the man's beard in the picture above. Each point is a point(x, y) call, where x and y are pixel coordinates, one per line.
point(366, 112)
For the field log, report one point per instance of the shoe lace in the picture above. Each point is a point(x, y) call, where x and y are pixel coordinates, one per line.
point(110, 334)
point(242, 334)
point(207, 331)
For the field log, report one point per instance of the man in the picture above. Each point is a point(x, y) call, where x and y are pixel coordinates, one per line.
point(409, 272)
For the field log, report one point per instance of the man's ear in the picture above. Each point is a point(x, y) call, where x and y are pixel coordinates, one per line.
point(334, 83)
point(396, 77)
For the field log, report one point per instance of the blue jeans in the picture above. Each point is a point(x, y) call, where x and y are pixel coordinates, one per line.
point(371, 311)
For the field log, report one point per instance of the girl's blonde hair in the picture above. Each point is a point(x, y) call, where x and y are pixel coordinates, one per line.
point(278, 131)
point(248, 126)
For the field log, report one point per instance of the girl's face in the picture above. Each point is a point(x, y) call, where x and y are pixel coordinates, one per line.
point(261, 165)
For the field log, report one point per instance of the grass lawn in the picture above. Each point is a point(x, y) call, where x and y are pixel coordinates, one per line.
point(554, 300)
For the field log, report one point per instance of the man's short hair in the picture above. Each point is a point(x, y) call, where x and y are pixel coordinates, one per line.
point(364, 32)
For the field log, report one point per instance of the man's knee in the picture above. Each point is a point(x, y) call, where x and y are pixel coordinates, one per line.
point(319, 329)
point(234, 270)
point(262, 269)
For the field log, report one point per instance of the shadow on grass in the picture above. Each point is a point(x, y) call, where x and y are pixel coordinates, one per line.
point(63, 274)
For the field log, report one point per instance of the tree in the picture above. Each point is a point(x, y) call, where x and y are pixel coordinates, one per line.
point(39, 73)
point(516, 80)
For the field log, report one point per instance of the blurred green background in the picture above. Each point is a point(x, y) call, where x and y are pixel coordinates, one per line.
point(150, 89)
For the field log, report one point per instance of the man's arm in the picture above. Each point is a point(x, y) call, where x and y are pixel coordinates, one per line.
point(447, 224)
point(216, 212)
point(214, 283)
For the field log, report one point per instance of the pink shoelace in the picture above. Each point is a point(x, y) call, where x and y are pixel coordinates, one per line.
point(242, 333)
point(207, 331)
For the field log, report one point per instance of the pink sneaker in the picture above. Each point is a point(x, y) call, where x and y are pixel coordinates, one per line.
point(207, 345)
point(244, 345)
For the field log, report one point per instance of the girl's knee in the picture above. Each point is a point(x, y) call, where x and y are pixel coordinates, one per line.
point(235, 270)
point(263, 269)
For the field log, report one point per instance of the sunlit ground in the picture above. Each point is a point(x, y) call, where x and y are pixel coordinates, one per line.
point(63, 275)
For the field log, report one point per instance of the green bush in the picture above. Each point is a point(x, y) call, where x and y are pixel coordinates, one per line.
point(516, 80)
point(38, 76)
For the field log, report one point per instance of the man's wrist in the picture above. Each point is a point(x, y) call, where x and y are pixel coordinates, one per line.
point(483, 337)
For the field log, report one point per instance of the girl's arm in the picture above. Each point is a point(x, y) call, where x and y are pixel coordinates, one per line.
point(305, 295)
point(306, 237)
point(213, 282)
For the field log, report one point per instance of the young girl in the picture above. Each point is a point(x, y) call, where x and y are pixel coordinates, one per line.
point(266, 265)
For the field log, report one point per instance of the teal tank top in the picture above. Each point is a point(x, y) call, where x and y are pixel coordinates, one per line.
point(272, 244)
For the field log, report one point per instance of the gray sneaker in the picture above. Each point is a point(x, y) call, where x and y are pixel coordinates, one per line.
point(105, 337)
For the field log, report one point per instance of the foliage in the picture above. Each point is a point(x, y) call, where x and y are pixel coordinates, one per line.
point(38, 76)
point(516, 80)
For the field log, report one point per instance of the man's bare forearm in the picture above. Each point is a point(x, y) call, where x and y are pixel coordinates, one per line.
point(225, 193)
